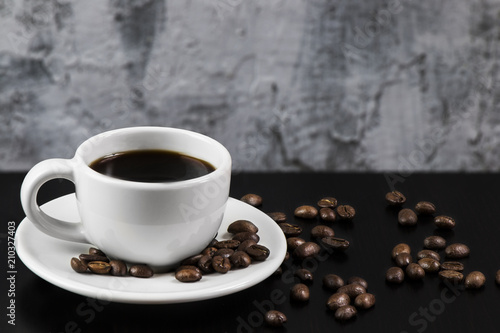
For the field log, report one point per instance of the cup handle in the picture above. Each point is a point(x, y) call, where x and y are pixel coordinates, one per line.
point(41, 173)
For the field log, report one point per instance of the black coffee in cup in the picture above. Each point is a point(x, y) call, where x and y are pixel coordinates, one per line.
point(151, 166)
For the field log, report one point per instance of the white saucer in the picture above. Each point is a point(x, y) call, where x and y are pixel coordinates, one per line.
point(49, 258)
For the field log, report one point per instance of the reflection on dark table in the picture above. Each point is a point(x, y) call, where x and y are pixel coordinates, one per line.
point(424, 306)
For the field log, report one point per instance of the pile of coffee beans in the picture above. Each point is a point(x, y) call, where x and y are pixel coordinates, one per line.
point(428, 260)
point(220, 256)
point(348, 297)
point(98, 263)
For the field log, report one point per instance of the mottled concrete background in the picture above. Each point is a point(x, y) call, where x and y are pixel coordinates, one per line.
point(285, 85)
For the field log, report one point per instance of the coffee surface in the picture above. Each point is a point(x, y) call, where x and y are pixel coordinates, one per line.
point(151, 166)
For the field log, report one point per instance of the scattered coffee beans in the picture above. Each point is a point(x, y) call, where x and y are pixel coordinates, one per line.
point(364, 301)
point(306, 212)
point(96, 252)
point(395, 198)
point(290, 230)
point(453, 266)
point(258, 252)
point(92, 257)
point(245, 244)
point(337, 301)
point(332, 282)
point(240, 259)
point(474, 280)
point(246, 235)
point(407, 217)
point(428, 254)
point(205, 264)
point(275, 318)
point(226, 253)
point(242, 226)
point(294, 242)
point(141, 271)
point(252, 199)
point(457, 251)
point(346, 212)
point(304, 275)
point(415, 272)
point(336, 243)
point(306, 250)
point(300, 292)
point(221, 264)
point(327, 214)
point(278, 217)
point(403, 259)
point(78, 266)
point(345, 313)
point(425, 208)
point(321, 231)
point(451, 276)
point(444, 222)
point(352, 290)
point(429, 265)
point(356, 279)
point(99, 267)
point(400, 248)
point(227, 244)
point(188, 274)
point(395, 275)
point(434, 243)
point(118, 268)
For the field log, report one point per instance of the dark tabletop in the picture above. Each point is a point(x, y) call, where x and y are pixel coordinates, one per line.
point(426, 306)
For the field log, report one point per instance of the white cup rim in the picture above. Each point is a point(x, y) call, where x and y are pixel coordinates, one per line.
point(219, 170)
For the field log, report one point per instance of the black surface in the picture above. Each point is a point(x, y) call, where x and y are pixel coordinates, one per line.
point(471, 199)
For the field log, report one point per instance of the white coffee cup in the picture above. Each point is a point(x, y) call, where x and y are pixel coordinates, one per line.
point(158, 224)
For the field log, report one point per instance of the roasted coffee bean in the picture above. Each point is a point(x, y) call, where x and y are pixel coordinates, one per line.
point(196, 268)
point(96, 252)
point(321, 231)
point(246, 235)
point(346, 312)
point(209, 251)
point(141, 271)
point(307, 250)
point(474, 280)
point(294, 242)
point(403, 259)
point(407, 217)
point(457, 251)
point(240, 259)
point(258, 252)
point(221, 264)
point(428, 254)
point(497, 277)
point(444, 222)
point(346, 212)
point(327, 214)
point(228, 244)
point(275, 318)
point(205, 264)
point(188, 274)
point(451, 276)
point(306, 212)
point(336, 243)
point(118, 268)
point(192, 260)
point(425, 208)
point(429, 265)
point(415, 272)
point(400, 248)
point(333, 282)
point(359, 280)
point(337, 301)
point(452, 266)
point(290, 230)
point(300, 292)
point(278, 217)
point(78, 266)
point(395, 198)
point(252, 199)
point(99, 267)
point(92, 257)
point(364, 301)
point(226, 253)
point(245, 244)
point(434, 243)
point(212, 242)
point(395, 275)
point(353, 290)
point(242, 226)
point(327, 202)
point(304, 275)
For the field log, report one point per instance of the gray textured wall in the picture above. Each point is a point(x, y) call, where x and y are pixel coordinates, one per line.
point(285, 85)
